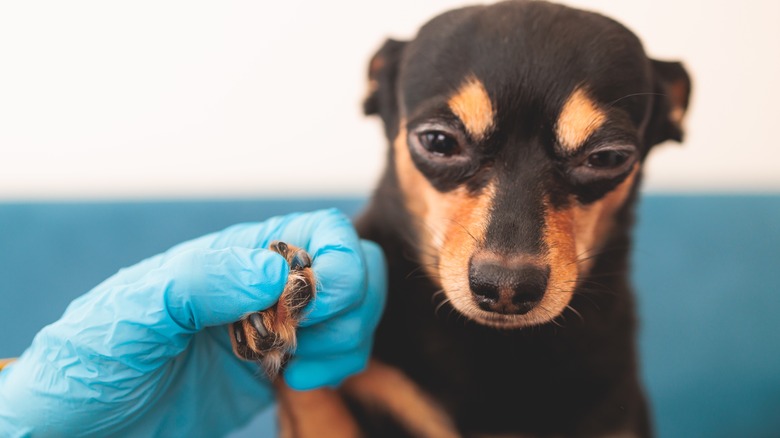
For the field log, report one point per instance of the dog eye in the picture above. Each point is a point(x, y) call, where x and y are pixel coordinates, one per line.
point(442, 152)
point(438, 143)
point(609, 159)
point(604, 164)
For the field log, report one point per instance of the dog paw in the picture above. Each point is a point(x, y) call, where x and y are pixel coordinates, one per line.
point(269, 336)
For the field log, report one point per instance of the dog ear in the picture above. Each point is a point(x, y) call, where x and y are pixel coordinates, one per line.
point(673, 89)
point(382, 77)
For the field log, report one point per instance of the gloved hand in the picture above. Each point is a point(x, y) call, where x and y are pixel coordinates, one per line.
point(147, 352)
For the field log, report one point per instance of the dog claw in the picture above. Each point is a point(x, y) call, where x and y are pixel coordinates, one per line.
point(268, 336)
point(257, 322)
point(280, 247)
point(300, 260)
point(239, 334)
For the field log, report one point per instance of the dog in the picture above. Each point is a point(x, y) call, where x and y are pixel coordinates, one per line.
point(517, 133)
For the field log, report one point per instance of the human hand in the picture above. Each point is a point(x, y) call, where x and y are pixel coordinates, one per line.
point(147, 351)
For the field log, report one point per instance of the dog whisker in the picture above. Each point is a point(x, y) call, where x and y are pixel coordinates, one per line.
point(611, 104)
point(576, 312)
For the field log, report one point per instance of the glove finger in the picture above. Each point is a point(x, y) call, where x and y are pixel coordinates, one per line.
point(330, 238)
point(304, 374)
point(349, 330)
point(296, 228)
point(213, 287)
point(247, 235)
point(327, 235)
point(338, 263)
point(340, 284)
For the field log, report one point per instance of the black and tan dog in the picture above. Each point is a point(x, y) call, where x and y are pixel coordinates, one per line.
point(517, 135)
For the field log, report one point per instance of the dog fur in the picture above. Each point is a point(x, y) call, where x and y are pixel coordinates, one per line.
point(517, 133)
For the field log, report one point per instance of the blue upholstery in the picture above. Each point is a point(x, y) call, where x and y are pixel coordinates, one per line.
point(707, 273)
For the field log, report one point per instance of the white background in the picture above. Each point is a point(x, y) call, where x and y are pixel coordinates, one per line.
point(159, 99)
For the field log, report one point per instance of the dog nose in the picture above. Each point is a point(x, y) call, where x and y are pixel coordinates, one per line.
point(509, 289)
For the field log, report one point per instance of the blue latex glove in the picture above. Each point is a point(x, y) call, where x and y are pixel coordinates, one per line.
point(147, 352)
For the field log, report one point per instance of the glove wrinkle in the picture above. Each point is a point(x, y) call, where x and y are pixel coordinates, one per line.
point(147, 352)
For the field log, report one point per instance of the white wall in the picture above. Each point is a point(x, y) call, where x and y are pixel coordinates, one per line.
point(110, 99)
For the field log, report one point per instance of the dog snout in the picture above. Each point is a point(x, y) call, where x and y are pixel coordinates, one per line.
point(508, 288)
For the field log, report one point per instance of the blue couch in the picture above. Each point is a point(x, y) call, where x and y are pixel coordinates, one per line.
point(707, 272)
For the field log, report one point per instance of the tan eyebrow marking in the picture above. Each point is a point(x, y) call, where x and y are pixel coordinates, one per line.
point(472, 105)
point(579, 118)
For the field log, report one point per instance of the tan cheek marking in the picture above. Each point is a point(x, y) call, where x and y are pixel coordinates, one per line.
point(579, 118)
point(561, 257)
point(416, 191)
point(473, 107)
point(592, 223)
point(572, 236)
point(450, 224)
point(465, 220)
point(390, 390)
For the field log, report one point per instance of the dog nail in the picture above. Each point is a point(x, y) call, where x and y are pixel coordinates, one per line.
point(238, 332)
point(257, 322)
point(300, 260)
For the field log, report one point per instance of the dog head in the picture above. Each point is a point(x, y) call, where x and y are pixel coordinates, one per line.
point(517, 133)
